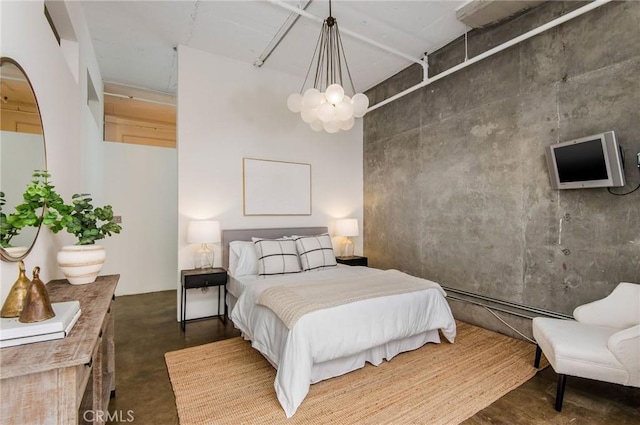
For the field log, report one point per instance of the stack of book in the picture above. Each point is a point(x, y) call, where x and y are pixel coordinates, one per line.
point(12, 332)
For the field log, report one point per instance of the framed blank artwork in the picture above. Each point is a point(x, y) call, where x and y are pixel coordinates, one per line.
point(276, 187)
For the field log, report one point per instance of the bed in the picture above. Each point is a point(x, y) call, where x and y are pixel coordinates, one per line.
point(300, 325)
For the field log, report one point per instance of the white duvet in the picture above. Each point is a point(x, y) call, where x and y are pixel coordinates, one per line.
point(337, 332)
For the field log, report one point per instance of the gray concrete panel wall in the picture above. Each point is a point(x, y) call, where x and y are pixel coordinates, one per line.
point(456, 184)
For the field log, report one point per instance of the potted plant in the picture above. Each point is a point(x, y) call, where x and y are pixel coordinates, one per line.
point(82, 262)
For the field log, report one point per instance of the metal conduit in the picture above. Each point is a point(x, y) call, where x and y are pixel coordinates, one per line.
point(515, 309)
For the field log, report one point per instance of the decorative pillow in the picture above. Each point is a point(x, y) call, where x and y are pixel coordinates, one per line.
point(276, 256)
point(316, 252)
point(243, 260)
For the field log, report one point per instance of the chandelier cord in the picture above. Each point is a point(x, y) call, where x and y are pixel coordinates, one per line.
point(327, 47)
point(322, 56)
point(311, 63)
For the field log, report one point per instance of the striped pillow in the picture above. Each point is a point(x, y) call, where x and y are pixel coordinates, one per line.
point(276, 256)
point(316, 252)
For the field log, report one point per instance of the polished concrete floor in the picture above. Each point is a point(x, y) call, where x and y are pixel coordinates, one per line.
point(146, 329)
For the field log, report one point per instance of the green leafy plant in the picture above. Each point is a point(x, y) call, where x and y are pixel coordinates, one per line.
point(38, 193)
point(86, 223)
point(7, 231)
point(79, 218)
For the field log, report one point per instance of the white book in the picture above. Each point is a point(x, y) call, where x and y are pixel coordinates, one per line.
point(11, 328)
point(42, 337)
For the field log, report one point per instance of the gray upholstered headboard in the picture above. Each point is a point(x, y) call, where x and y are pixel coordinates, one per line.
point(246, 235)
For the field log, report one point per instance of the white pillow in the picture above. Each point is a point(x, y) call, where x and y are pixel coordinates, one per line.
point(316, 252)
point(243, 260)
point(276, 256)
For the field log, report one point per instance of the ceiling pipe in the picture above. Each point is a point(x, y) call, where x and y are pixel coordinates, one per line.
point(346, 31)
point(140, 99)
point(573, 14)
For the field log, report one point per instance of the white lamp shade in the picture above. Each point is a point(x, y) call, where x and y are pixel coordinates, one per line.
point(203, 231)
point(347, 227)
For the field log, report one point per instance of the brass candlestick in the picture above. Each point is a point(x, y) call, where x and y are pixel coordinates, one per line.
point(14, 303)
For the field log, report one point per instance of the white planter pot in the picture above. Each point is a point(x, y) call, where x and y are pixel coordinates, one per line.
point(81, 263)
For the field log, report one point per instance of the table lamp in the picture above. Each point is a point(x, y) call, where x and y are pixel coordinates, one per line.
point(347, 227)
point(203, 232)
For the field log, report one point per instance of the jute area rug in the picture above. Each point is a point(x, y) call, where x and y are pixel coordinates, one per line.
point(228, 382)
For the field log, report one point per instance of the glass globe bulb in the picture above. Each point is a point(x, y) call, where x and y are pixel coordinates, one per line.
point(360, 103)
point(347, 124)
point(316, 125)
point(326, 112)
point(308, 114)
point(334, 93)
point(344, 110)
point(294, 102)
point(331, 126)
point(312, 98)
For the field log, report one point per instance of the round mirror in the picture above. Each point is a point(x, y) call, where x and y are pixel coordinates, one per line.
point(22, 151)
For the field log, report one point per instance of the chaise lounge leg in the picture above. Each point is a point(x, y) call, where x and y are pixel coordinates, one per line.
point(536, 363)
point(562, 380)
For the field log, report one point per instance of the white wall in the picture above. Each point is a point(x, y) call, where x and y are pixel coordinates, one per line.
point(228, 110)
point(141, 184)
point(71, 138)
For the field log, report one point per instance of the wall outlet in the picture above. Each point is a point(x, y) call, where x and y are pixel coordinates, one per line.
point(117, 219)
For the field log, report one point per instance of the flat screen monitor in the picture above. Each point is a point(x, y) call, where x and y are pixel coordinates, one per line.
point(588, 162)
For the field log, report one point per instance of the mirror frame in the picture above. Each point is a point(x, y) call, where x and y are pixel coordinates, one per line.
point(4, 255)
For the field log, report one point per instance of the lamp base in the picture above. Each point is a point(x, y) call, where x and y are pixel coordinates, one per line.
point(204, 257)
point(347, 247)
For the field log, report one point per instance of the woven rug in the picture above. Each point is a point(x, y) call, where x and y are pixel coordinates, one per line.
point(228, 382)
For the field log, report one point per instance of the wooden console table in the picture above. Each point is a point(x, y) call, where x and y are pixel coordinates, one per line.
point(69, 380)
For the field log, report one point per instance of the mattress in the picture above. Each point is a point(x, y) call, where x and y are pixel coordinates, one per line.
point(336, 340)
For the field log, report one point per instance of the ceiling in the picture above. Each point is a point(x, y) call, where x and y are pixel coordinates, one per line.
point(135, 41)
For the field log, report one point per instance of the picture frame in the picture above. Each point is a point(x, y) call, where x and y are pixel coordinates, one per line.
point(273, 187)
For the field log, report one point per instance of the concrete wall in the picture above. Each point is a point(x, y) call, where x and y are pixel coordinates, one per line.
point(456, 187)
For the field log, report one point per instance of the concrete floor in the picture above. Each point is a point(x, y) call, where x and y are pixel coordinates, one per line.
point(146, 329)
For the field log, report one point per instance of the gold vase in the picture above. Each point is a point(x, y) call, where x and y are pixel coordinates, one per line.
point(14, 303)
point(37, 306)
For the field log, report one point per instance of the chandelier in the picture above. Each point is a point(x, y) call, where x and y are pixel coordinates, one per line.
point(325, 106)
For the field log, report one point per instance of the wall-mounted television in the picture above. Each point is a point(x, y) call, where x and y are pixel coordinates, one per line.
point(587, 162)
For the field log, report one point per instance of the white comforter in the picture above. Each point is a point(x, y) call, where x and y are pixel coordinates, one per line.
point(335, 332)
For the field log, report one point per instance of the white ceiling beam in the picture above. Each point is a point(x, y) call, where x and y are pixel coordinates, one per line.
point(349, 32)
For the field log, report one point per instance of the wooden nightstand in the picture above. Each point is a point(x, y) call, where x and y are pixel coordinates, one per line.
point(203, 278)
point(354, 260)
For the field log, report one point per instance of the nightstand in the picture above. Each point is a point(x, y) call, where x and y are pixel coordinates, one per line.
point(203, 278)
point(353, 260)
